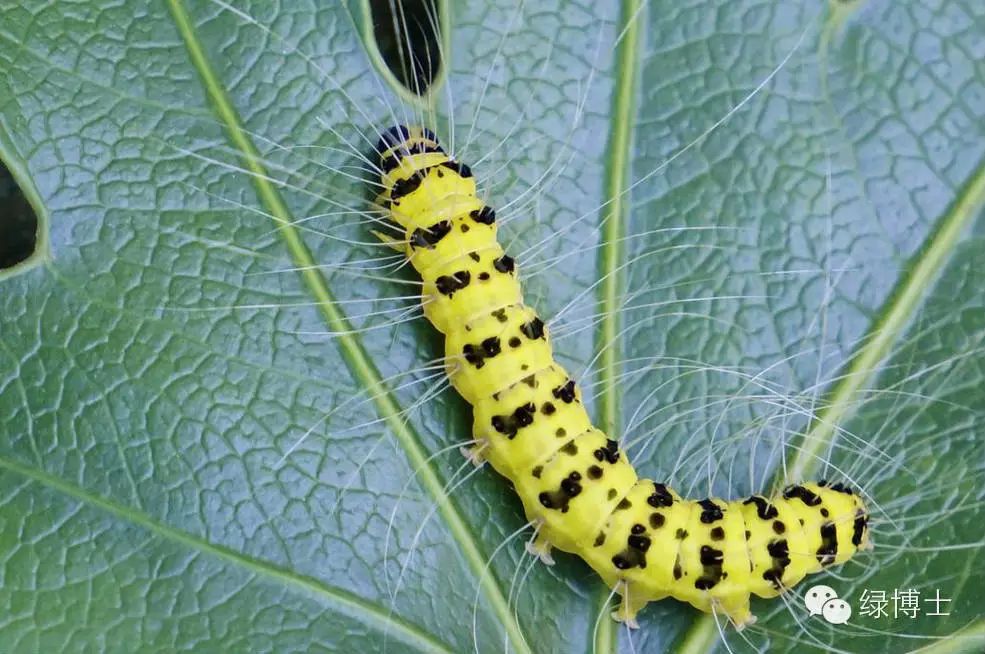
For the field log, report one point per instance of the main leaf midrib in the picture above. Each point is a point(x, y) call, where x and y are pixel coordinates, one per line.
point(354, 353)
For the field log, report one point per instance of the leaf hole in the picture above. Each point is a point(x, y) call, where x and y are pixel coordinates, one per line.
point(18, 222)
point(408, 35)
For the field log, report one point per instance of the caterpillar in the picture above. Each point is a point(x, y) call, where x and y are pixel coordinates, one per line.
point(576, 485)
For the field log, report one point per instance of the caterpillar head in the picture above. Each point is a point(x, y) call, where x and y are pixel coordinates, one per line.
point(403, 137)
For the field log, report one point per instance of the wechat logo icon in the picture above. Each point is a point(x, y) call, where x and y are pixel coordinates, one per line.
point(823, 600)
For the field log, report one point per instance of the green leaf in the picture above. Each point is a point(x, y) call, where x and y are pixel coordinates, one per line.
point(758, 225)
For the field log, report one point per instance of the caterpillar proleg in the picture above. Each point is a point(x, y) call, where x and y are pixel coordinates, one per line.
point(644, 540)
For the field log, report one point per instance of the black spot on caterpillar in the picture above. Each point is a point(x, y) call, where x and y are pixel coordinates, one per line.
point(764, 509)
point(429, 237)
point(644, 540)
point(710, 512)
point(803, 494)
point(448, 284)
point(504, 264)
point(485, 215)
point(477, 354)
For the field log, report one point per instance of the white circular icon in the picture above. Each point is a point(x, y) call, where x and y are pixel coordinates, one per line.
point(816, 596)
point(836, 611)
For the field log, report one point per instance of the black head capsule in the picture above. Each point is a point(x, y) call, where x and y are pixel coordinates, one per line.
point(400, 134)
point(392, 137)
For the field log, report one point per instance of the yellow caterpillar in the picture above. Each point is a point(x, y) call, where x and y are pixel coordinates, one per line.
point(577, 488)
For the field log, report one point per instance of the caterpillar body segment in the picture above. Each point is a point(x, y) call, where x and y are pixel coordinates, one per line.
point(643, 539)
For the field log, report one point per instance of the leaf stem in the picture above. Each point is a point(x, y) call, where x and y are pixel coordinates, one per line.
point(893, 317)
point(622, 122)
point(356, 356)
point(971, 638)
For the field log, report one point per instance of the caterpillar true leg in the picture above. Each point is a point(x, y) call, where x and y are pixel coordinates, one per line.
point(576, 485)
